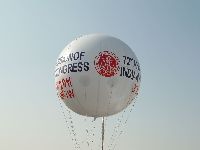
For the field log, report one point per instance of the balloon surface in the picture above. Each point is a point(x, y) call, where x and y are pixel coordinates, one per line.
point(97, 75)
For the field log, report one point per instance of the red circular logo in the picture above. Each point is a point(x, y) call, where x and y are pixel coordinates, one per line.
point(107, 64)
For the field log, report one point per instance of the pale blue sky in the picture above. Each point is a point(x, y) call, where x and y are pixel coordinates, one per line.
point(165, 35)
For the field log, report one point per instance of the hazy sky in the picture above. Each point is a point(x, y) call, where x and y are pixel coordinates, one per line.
point(164, 34)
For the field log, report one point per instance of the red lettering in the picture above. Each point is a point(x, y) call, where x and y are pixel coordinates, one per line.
point(67, 82)
point(64, 88)
point(70, 93)
point(135, 89)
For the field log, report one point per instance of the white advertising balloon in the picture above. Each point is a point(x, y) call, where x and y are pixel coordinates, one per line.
point(97, 75)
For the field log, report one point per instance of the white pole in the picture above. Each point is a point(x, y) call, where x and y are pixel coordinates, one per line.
point(102, 132)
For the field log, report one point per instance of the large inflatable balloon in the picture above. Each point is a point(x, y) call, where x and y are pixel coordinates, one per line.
point(97, 75)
